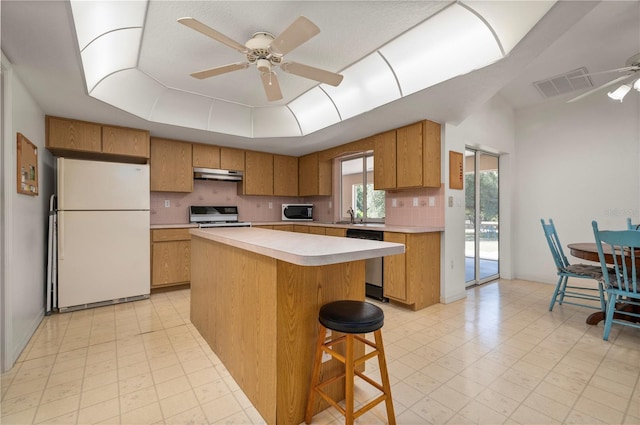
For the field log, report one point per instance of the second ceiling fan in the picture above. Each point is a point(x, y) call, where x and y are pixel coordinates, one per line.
point(267, 51)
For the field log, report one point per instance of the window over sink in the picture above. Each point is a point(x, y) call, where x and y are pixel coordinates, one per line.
point(356, 190)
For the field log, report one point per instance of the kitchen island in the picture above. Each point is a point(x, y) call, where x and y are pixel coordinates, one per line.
point(255, 297)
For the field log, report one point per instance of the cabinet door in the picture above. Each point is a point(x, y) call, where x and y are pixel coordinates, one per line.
point(384, 160)
point(73, 135)
point(170, 166)
point(409, 152)
point(324, 178)
point(206, 156)
point(315, 230)
point(335, 231)
point(231, 159)
point(125, 141)
point(308, 175)
point(258, 174)
point(299, 228)
point(171, 263)
point(432, 151)
point(285, 175)
point(167, 235)
point(394, 271)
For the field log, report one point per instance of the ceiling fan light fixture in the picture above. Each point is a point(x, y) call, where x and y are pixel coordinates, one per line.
point(620, 92)
point(263, 65)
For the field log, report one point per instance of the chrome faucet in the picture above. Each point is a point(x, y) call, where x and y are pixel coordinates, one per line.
point(350, 212)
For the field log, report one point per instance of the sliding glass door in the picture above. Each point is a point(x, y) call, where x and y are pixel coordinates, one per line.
point(482, 262)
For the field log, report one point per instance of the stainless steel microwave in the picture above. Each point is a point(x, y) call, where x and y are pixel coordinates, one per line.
point(297, 212)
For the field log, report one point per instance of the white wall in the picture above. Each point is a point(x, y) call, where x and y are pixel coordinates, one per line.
point(576, 163)
point(491, 128)
point(25, 222)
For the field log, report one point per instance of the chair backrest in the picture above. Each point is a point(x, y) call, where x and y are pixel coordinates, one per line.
point(554, 244)
point(631, 226)
point(624, 247)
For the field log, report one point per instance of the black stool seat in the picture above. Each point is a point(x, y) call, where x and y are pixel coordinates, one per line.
point(353, 317)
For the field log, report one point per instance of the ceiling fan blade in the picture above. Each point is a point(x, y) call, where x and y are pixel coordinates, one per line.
point(219, 70)
point(625, 69)
point(299, 32)
point(312, 73)
point(271, 86)
point(610, 83)
point(210, 32)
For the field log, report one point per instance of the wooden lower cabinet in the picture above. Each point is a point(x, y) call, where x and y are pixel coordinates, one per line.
point(315, 230)
point(170, 257)
point(335, 231)
point(413, 278)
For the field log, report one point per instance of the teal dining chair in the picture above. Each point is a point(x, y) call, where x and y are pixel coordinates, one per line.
point(623, 290)
point(631, 226)
point(564, 291)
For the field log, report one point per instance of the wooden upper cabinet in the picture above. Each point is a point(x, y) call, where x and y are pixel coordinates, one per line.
point(308, 175)
point(285, 175)
point(206, 156)
point(64, 134)
point(170, 166)
point(258, 174)
point(384, 160)
point(231, 159)
point(125, 141)
point(314, 176)
point(409, 155)
point(431, 174)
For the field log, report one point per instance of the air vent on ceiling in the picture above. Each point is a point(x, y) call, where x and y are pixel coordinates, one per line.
point(564, 83)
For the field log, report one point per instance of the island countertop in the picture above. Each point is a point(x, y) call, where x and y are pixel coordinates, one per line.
point(299, 248)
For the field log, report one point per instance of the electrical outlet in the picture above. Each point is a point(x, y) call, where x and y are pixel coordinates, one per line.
point(432, 201)
point(415, 202)
point(167, 203)
point(394, 202)
point(450, 201)
point(270, 205)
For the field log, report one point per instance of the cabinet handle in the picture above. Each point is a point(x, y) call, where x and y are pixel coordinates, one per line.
point(61, 235)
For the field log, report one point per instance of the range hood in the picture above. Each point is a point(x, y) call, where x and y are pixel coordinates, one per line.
point(216, 174)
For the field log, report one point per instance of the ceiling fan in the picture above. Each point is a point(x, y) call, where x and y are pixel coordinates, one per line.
point(631, 68)
point(266, 52)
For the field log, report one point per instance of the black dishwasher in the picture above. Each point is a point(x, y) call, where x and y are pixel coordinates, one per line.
point(373, 266)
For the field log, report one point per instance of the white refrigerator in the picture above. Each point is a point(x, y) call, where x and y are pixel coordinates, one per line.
point(103, 233)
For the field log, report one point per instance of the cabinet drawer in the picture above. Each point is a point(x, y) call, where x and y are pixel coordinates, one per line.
point(163, 235)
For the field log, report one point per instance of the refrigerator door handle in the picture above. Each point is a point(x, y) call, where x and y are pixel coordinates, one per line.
point(61, 184)
point(60, 235)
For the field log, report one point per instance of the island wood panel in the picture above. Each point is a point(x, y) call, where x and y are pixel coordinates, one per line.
point(315, 230)
point(233, 308)
point(301, 293)
point(125, 141)
point(267, 346)
point(206, 156)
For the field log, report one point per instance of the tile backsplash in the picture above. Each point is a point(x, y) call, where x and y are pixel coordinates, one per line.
point(212, 192)
point(428, 212)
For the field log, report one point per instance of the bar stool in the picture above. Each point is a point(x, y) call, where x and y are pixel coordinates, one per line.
point(350, 318)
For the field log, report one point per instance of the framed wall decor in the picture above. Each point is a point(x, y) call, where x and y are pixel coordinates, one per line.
point(456, 170)
point(27, 166)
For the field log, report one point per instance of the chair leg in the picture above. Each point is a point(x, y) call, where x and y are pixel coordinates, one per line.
point(315, 375)
point(603, 300)
point(563, 289)
point(349, 380)
point(555, 293)
point(384, 375)
point(608, 320)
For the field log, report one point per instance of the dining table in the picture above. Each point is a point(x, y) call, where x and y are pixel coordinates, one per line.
point(589, 251)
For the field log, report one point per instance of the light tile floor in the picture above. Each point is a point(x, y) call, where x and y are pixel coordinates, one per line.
point(497, 357)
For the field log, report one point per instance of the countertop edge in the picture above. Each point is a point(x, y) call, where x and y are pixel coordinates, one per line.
point(300, 248)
